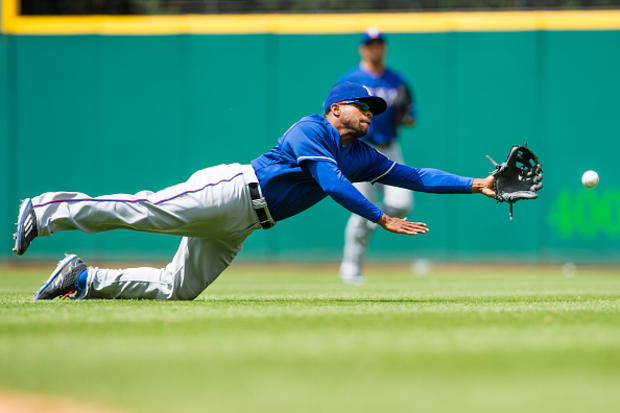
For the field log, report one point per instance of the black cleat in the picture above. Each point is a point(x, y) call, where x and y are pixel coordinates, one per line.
point(27, 229)
point(63, 280)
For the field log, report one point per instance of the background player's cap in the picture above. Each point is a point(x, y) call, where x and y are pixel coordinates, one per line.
point(354, 91)
point(372, 34)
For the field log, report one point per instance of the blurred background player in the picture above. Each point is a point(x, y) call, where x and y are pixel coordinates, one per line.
point(383, 134)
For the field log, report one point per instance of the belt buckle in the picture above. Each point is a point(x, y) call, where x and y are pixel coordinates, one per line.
point(255, 195)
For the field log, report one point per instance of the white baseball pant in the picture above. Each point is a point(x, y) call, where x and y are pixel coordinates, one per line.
point(397, 202)
point(212, 211)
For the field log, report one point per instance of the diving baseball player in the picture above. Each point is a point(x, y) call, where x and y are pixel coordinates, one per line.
point(382, 135)
point(219, 207)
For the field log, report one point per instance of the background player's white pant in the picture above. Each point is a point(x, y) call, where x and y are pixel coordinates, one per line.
point(396, 202)
point(212, 211)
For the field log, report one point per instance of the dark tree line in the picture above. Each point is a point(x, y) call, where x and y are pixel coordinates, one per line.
point(119, 7)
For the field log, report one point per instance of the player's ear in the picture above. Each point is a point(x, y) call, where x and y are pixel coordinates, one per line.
point(335, 109)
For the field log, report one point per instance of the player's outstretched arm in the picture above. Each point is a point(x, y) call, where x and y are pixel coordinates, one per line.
point(402, 226)
point(484, 186)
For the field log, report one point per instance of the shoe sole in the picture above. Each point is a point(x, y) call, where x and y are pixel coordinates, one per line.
point(20, 221)
point(61, 266)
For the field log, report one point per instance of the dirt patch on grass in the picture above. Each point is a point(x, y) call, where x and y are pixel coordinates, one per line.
point(28, 403)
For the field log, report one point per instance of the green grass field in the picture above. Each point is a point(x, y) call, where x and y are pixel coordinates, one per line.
point(284, 339)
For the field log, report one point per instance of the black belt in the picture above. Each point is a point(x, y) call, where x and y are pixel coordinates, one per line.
point(263, 218)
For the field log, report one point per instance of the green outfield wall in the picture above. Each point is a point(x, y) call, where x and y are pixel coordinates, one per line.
point(116, 114)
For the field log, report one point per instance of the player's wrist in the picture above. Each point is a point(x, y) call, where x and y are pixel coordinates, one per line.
point(484, 186)
point(476, 186)
point(383, 220)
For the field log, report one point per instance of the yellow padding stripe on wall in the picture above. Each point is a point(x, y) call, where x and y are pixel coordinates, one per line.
point(13, 23)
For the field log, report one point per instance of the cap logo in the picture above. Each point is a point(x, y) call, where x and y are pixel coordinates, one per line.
point(373, 32)
point(367, 90)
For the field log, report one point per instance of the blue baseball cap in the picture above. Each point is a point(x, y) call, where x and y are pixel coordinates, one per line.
point(372, 34)
point(355, 91)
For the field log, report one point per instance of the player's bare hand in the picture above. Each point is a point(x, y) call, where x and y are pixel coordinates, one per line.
point(402, 226)
point(484, 186)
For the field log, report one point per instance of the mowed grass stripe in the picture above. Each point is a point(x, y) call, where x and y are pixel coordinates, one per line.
point(277, 339)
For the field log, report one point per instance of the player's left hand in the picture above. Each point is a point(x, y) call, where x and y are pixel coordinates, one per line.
point(484, 186)
point(402, 226)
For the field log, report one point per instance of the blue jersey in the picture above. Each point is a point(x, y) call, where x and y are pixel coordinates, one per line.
point(309, 163)
point(309, 150)
point(384, 127)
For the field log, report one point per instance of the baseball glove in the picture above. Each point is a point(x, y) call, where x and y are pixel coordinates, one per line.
point(519, 177)
point(402, 105)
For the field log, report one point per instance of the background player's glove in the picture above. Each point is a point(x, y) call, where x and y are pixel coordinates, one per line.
point(519, 177)
point(402, 106)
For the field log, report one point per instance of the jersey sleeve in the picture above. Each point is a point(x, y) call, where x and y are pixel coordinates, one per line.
point(427, 180)
point(371, 164)
point(336, 185)
point(309, 141)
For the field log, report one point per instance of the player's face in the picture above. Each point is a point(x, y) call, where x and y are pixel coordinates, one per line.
point(373, 51)
point(356, 118)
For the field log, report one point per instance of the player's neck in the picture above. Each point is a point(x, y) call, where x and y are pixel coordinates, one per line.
point(347, 139)
point(374, 68)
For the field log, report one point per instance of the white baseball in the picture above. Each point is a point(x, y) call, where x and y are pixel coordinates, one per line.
point(589, 179)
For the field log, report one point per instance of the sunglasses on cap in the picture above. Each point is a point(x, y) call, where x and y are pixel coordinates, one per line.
point(362, 105)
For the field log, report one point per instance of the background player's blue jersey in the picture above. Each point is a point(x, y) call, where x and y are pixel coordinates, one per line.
point(384, 127)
